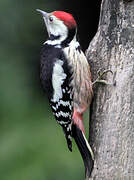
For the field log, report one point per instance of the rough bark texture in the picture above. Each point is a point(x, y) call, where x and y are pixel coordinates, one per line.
point(112, 119)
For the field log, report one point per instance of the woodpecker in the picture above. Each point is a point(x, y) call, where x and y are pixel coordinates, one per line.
point(66, 79)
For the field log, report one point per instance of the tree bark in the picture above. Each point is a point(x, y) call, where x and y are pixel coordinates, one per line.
point(112, 116)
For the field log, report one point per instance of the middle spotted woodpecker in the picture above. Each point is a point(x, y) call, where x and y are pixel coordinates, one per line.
point(66, 79)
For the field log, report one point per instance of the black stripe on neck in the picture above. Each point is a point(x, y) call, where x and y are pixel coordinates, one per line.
point(71, 34)
point(53, 37)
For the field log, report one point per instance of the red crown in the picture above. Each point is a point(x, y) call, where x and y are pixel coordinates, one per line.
point(67, 18)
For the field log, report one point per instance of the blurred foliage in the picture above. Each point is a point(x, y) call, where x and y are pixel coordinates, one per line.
point(32, 145)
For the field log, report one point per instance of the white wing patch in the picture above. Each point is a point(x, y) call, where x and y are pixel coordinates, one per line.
point(58, 77)
point(65, 103)
point(63, 114)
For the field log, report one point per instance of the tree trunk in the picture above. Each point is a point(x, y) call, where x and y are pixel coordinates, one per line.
point(112, 115)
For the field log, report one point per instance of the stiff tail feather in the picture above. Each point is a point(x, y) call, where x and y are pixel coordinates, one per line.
point(85, 149)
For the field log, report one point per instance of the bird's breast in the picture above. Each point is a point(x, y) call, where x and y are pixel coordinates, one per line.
point(81, 76)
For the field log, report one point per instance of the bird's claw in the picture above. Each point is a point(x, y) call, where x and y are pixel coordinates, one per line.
point(101, 73)
point(100, 77)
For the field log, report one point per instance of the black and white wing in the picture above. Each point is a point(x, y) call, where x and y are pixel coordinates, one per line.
point(56, 83)
point(62, 102)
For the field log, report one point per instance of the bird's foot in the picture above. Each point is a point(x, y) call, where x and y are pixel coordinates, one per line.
point(100, 77)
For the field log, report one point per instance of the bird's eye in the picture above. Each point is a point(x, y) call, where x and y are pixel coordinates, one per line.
point(51, 18)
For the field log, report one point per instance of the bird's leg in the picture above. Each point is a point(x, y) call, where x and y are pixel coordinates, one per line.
point(78, 118)
point(100, 77)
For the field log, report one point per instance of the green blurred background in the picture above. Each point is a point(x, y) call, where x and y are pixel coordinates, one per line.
point(32, 145)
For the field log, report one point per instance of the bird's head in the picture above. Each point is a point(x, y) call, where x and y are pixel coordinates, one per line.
point(59, 24)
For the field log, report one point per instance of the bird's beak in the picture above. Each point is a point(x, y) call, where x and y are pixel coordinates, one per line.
point(44, 14)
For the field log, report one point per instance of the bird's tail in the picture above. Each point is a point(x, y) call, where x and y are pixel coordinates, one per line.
point(68, 134)
point(84, 148)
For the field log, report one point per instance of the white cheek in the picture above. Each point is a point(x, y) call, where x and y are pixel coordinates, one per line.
point(58, 28)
